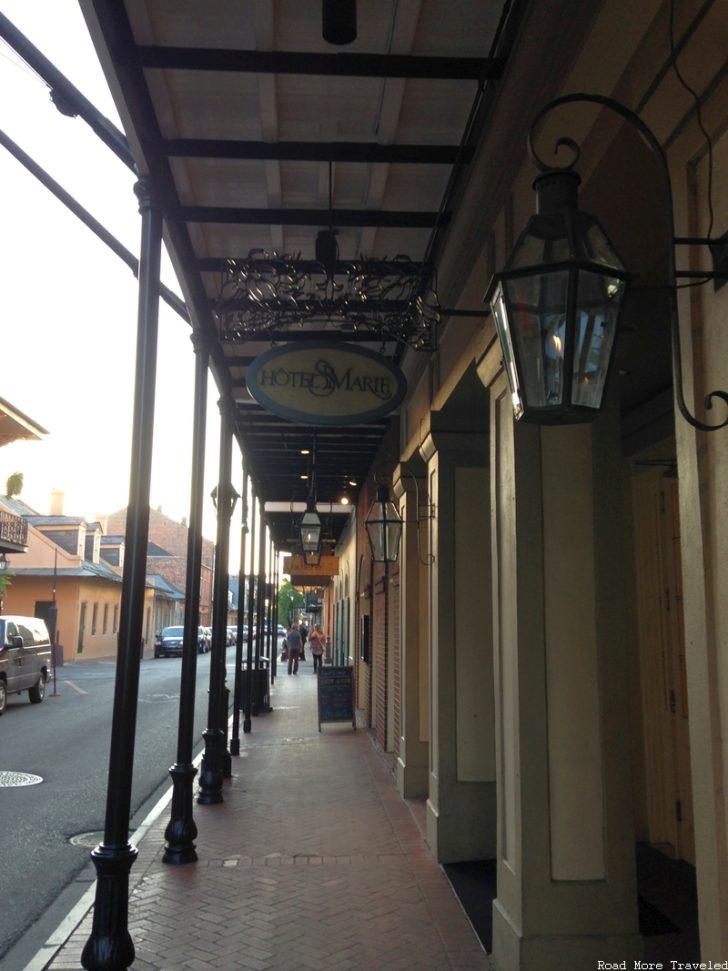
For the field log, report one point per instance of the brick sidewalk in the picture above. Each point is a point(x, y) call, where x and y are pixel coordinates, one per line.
point(312, 862)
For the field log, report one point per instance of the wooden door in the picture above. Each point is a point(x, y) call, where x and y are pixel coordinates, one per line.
point(662, 663)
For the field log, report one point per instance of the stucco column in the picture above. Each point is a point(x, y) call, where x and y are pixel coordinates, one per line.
point(566, 885)
point(703, 538)
point(410, 490)
point(461, 800)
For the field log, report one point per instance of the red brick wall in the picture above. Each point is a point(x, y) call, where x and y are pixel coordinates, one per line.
point(172, 536)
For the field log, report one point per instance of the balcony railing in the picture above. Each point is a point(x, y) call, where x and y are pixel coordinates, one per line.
point(13, 530)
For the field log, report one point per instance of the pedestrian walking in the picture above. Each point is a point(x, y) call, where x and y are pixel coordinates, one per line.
point(317, 642)
point(293, 646)
point(303, 630)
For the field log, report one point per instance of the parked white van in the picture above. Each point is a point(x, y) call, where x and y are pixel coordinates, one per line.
point(25, 658)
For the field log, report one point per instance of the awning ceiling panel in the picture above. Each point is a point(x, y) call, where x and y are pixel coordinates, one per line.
point(258, 135)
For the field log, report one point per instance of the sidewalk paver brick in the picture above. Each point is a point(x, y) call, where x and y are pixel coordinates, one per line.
point(311, 863)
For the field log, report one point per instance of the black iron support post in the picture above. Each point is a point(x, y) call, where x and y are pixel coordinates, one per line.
point(259, 613)
point(269, 640)
point(181, 830)
point(110, 946)
point(235, 737)
point(274, 624)
point(215, 760)
point(247, 701)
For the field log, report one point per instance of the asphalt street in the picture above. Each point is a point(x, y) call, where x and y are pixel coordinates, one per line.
point(65, 741)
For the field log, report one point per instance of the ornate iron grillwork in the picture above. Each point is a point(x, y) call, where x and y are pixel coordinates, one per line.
point(393, 299)
point(13, 529)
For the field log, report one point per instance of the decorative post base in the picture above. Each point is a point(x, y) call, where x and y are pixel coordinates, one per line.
point(110, 946)
point(211, 775)
point(181, 830)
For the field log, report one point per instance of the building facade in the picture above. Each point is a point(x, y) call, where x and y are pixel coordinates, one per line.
point(546, 660)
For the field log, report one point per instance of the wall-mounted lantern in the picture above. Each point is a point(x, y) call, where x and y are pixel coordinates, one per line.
point(384, 528)
point(556, 308)
point(556, 304)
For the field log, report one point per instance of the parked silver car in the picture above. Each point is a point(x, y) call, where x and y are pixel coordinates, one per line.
point(25, 658)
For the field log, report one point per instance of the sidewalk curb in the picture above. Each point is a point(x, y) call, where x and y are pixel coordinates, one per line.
point(78, 913)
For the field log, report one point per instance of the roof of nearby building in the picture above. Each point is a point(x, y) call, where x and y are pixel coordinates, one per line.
point(15, 425)
point(153, 549)
point(17, 506)
point(85, 569)
point(161, 585)
point(55, 520)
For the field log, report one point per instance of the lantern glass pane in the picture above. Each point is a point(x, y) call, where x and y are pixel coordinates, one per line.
point(310, 532)
point(394, 534)
point(498, 309)
point(599, 249)
point(384, 529)
point(545, 240)
point(537, 304)
point(599, 299)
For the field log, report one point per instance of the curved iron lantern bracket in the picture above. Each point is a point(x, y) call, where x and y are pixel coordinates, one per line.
point(649, 137)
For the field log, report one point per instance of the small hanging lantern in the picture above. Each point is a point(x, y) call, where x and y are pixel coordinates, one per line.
point(384, 528)
point(231, 498)
point(312, 557)
point(310, 529)
point(556, 307)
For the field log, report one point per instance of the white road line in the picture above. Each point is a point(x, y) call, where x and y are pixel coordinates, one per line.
point(75, 687)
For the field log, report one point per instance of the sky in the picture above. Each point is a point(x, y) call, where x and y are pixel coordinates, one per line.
point(68, 304)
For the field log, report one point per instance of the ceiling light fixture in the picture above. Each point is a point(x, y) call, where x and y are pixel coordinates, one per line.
point(338, 21)
point(312, 557)
point(309, 528)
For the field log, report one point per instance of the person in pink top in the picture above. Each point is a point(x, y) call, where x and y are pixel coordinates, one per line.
point(317, 642)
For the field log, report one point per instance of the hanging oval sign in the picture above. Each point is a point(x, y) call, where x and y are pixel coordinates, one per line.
point(325, 384)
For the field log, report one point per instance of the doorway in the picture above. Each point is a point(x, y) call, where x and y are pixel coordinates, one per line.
point(81, 627)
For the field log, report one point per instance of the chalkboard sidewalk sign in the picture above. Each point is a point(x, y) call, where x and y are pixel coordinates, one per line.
point(336, 695)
